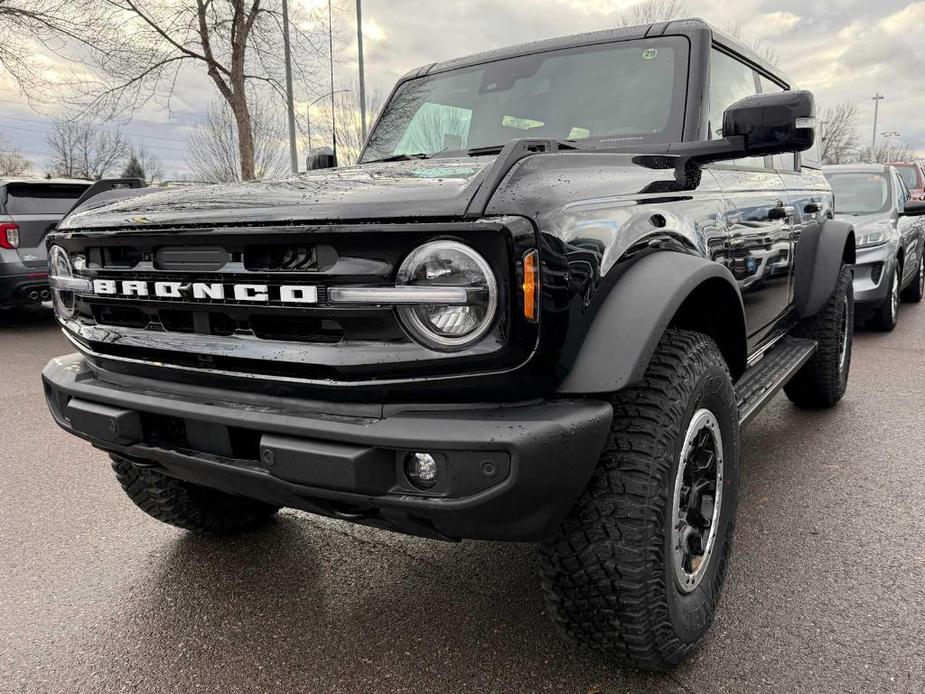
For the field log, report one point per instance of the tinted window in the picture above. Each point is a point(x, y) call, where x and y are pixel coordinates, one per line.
point(909, 176)
point(630, 92)
point(730, 81)
point(41, 198)
point(860, 193)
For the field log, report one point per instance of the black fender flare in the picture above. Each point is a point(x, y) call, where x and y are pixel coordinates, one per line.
point(647, 299)
point(820, 254)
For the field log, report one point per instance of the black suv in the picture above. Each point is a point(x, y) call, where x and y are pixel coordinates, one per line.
point(540, 309)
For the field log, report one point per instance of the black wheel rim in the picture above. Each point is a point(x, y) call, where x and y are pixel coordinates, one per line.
point(697, 501)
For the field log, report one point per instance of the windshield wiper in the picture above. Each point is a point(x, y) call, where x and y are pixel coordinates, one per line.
point(546, 145)
point(402, 157)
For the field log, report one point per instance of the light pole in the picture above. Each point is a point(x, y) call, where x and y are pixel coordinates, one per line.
point(331, 55)
point(308, 112)
point(290, 104)
point(873, 140)
point(362, 71)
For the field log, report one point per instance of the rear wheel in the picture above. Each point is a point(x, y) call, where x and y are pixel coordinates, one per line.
point(884, 318)
point(186, 505)
point(636, 569)
point(823, 379)
point(913, 293)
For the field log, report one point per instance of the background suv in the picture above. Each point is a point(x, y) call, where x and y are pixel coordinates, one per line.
point(29, 209)
point(889, 232)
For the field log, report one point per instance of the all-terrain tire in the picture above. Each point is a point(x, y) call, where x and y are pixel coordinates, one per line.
point(189, 506)
point(822, 381)
point(609, 571)
point(916, 289)
point(885, 316)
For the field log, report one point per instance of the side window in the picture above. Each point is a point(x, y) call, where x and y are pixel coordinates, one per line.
point(782, 162)
point(902, 191)
point(730, 81)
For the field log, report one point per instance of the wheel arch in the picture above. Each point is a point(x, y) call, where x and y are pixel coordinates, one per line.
point(662, 290)
point(821, 252)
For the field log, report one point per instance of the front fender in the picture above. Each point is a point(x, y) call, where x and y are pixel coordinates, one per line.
point(820, 254)
point(650, 295)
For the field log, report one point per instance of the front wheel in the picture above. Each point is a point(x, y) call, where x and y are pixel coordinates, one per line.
point(189, 506)
point(635, 570)
point(884, 318)
point(913, 293)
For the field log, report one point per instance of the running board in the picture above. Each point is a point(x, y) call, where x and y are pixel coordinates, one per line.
point(766, 378)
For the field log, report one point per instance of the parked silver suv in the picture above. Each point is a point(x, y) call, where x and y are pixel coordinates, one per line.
point(29, 209)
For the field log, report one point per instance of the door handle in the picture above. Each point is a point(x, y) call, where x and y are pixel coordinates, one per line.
point(781, 212)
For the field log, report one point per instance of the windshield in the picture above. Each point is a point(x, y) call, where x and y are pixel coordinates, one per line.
point(626, 92)
point(860, 193)
point(909, 176)
point(42, 198)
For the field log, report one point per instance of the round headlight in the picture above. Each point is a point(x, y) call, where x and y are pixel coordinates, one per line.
point(59, 265)
point(449, 327)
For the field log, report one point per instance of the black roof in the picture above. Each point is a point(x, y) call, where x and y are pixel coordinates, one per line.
point(677, 27)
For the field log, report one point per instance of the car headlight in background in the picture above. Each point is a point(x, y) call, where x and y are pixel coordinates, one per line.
point(451, 266)
point(873, 235)
point(62, 281)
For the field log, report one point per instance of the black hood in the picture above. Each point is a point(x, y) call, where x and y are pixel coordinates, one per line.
point(392, 190)
point(541, 187)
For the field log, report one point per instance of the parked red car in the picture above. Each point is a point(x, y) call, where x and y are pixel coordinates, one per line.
point(914, 177)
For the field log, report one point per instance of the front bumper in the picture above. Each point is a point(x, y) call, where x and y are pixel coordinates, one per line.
point(507, 472)
point(871, 275)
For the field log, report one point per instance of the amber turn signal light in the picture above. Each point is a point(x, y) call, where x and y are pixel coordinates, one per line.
point(531, 286)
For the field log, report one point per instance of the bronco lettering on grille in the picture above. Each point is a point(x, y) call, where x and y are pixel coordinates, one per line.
point(207, 291)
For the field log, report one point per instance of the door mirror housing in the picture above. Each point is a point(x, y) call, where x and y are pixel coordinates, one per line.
point(914, 208)
point(758, 126)
point(321, 158)
point(777, 123)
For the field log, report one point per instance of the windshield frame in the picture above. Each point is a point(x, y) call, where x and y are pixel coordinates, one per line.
point(674, 131)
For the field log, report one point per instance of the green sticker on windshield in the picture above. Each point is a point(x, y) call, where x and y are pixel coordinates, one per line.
point(650, 54)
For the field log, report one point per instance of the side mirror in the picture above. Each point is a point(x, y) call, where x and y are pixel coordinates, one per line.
point(321, 158)
point(914, 208)
point(773, 123)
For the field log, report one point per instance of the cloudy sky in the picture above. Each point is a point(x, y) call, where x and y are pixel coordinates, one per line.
point(841, 49)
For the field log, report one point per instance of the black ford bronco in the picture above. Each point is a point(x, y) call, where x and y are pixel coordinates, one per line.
point(560, 280)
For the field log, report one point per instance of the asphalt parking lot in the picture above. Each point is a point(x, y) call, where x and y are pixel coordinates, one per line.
point(826, 591)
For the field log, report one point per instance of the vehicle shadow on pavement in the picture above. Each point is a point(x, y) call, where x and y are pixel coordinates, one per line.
point(26, 316)
point(313, 605)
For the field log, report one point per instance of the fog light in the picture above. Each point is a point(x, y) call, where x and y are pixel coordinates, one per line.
point(421, 469)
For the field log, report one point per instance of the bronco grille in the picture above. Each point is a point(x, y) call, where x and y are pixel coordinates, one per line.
point(252, 296)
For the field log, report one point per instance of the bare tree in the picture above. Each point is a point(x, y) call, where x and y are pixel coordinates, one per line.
point(838, 133)
point(81, 149)
point(887, 150)
point(349, 128)
point(214, 151)
point(134, 50)
point(50, 23)
point(650, 11)
point(12, 162)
